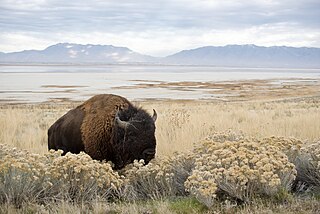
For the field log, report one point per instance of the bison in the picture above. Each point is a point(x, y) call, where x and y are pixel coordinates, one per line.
point(106, 127)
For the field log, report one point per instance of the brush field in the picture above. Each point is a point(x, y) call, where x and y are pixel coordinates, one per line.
point(212, 157)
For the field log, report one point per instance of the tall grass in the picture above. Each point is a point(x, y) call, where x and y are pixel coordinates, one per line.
point(179, 124)
point(25, 126)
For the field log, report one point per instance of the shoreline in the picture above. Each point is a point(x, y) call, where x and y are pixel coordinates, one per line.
point(146, 90)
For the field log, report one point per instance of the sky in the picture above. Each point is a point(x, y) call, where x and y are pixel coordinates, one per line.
point(158, 28)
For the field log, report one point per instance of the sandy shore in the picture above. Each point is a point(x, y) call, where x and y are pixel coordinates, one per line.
point(242, 90)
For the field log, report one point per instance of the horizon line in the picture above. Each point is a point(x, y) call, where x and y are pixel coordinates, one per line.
point(215, 46)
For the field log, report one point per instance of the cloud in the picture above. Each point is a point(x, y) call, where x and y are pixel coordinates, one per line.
point(158, 27)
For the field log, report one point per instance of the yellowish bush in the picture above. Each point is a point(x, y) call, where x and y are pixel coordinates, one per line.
point(287, 145)
point(225, 163)
point(163, 176)
point(242, 169)
point(25, 176)
point(21, 175)
point(81, 176)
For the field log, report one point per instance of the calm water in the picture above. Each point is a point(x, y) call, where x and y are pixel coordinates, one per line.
point(79, 82)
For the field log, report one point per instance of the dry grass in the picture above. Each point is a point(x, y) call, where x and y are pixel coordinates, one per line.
point(179, 124)
point(25, 126)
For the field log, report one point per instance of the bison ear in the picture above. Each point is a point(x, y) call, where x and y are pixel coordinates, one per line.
point(154, 117)
point(121, 124)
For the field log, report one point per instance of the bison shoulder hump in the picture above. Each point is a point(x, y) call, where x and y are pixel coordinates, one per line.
point(97, 125)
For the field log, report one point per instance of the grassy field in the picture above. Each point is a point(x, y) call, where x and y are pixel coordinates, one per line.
point(180, 123)
point(180, 180)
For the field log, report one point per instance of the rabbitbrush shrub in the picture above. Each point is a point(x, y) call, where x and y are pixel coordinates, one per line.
point(224, 164)
point(162, 177)
point(241, 169)
point(26, 177)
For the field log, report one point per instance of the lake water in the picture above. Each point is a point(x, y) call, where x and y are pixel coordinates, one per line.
point(38, 83)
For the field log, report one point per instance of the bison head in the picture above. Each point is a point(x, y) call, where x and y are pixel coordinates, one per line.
point(135, 136)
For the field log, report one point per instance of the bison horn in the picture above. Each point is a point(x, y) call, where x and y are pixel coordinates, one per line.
point(154, 117)
point(121, 124)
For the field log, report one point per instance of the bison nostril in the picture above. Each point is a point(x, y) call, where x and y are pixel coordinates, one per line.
point(148, 156)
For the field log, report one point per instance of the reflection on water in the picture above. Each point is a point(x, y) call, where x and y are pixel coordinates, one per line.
point(78, 82)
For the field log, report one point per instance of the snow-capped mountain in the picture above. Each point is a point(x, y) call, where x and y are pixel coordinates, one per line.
point(76, 53)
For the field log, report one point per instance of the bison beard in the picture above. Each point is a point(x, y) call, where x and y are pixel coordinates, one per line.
point(106, 127)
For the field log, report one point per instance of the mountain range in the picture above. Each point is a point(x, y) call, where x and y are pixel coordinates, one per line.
point(76, 53)
point(228, 56)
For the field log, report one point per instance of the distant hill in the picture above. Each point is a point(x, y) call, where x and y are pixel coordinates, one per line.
point(76, 53)
point(249, 56)
point(229, 56)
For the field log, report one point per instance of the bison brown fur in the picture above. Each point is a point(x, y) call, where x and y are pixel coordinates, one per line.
point(106, 127)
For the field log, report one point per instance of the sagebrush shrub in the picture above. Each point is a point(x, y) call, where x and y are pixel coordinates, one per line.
point(308, 169)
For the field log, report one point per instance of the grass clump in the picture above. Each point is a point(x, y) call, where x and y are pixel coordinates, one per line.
point(187, 205)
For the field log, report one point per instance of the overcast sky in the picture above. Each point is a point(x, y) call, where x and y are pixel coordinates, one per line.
point(160, 27)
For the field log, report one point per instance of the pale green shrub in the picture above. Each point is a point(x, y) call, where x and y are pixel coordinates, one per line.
point(308, 168)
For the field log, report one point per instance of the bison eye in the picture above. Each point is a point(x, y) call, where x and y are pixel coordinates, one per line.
point(149, 151)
